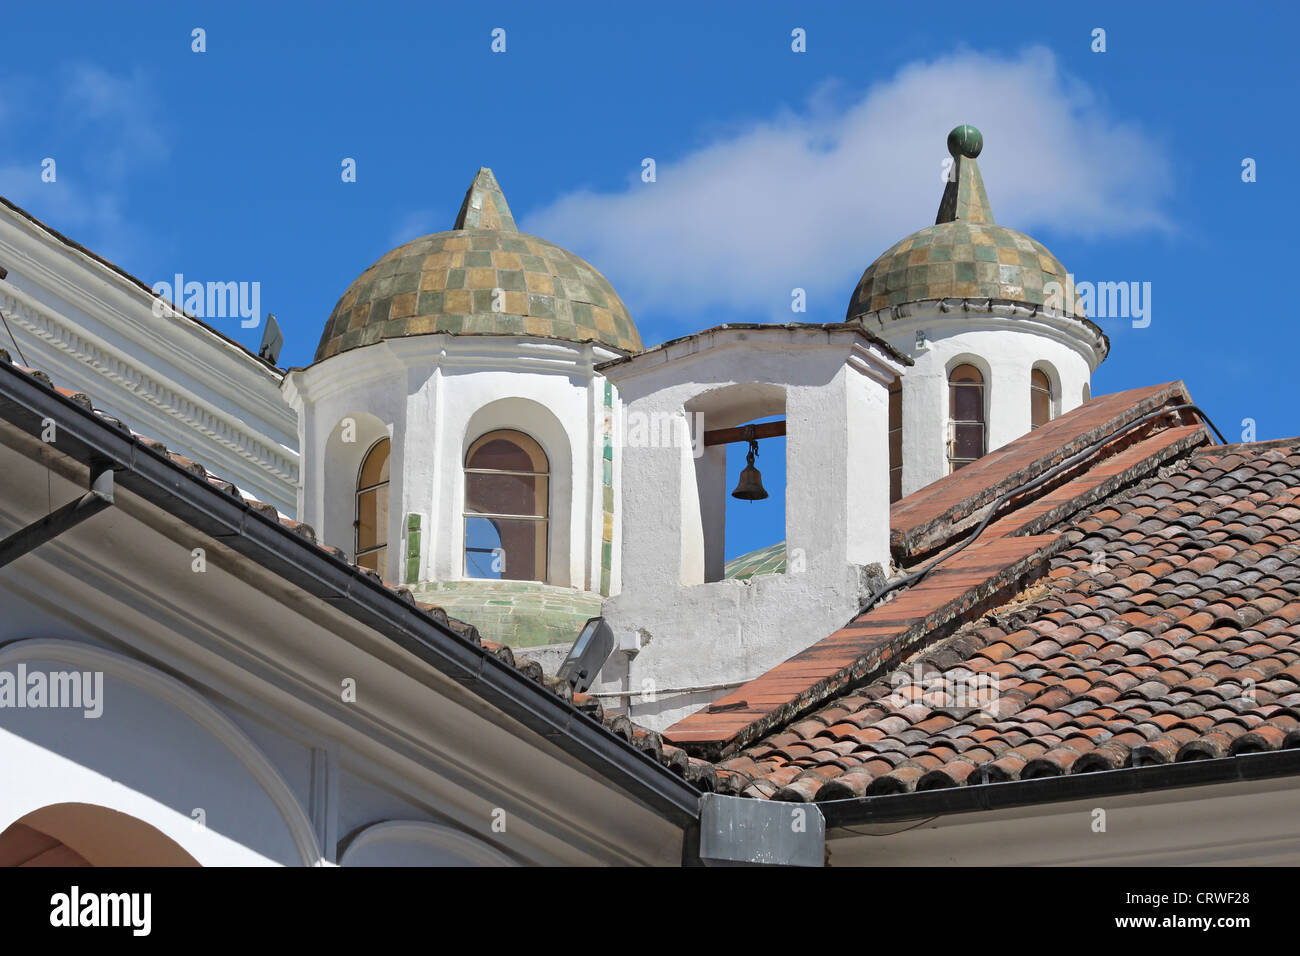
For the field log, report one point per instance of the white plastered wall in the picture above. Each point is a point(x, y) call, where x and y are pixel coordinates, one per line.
point(221, 693)
point(696, 632)
point(436, 394)
point(1006, 344)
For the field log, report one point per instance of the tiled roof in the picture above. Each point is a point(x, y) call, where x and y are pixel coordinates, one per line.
point(482, 278)
point(1088, 454)
point(769, 560)
point(1167, 628)
point(965, 254)
point(933, 516)
point(967, 584)
point(959, 261)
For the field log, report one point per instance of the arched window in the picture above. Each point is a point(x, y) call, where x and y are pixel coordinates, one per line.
point(1087, 392)
point(896, 440)
point(372, 508)
point(1040, 398)
point(966, 440)
point(506, 498)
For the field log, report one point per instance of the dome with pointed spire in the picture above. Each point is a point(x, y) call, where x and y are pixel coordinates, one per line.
point(965, 254)
point(484, 277)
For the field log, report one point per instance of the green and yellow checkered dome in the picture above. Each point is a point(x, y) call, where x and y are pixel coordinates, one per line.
point(485, 278)
point(965, 254)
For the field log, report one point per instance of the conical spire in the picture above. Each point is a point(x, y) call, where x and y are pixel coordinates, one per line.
point(964, 198)
point(485, 205)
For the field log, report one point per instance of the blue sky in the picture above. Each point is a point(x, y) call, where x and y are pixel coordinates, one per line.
point(775, 169)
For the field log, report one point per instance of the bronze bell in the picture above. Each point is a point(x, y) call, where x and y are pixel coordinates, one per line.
point(750, 487)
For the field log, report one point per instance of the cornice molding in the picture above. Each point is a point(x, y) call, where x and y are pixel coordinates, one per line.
point(45, 259)
point(458, 353)
point(46, 325)
point(900, 322)
point(798, 337)
point(874, 364)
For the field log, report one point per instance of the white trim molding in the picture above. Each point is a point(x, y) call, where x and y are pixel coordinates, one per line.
point(428, 836)
point(272, 461)
point(170, 691)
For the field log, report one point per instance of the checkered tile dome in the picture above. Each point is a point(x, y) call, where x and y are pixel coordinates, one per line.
point(965, 254)
point(957, 260)
point(483, 277)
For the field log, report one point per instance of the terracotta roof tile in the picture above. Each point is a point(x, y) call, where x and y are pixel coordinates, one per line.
point(940, 512)
point(1091, 679)
point(1009, 551)
point(983, 574)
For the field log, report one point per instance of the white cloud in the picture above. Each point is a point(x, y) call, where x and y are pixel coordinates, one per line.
point(101, 130)
point(810, 198)
point(413, 225)
point(117, 112)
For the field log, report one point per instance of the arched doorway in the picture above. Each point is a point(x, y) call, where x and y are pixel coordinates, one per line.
point(85, 834)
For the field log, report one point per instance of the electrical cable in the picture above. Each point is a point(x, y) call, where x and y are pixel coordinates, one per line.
point(14, 340)
point(919, 823)
point(4, 274)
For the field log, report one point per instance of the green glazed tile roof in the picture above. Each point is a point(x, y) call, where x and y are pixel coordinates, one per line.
point(769, 560)
point(518, 613)
point(483, 277)
point(965, 254)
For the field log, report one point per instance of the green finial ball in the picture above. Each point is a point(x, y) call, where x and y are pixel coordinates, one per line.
point(966, 141)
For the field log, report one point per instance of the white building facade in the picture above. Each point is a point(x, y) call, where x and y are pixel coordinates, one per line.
point(164, 373)
point(482, 436)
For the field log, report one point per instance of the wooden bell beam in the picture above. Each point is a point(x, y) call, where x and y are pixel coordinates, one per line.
point(727, 436)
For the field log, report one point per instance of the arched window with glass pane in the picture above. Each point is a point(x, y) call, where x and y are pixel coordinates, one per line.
point(372, 508)
point(1040, 398)
point(966, 432)
point(506, 508)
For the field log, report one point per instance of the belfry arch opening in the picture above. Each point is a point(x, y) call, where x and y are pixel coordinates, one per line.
point(718, 422)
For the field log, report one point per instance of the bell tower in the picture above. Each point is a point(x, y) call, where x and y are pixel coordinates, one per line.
point(682, 624)
point(988, 315)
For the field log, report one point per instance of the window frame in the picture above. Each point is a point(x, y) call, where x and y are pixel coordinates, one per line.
point(954, 463)
point(381, 526)
point(895, 413)
point(544, 550)
point(1049, 391)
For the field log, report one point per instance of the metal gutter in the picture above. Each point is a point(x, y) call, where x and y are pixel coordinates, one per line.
point(896, 808)
point(88, 439)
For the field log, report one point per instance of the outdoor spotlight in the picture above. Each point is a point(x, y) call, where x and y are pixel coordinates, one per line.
point(588, 655)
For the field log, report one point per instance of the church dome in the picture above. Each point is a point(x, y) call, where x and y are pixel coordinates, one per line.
point(965, 254)
point(484, 277)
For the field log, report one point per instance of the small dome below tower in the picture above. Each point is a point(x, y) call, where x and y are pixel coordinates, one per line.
point(965, 254)
point(483, 277)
